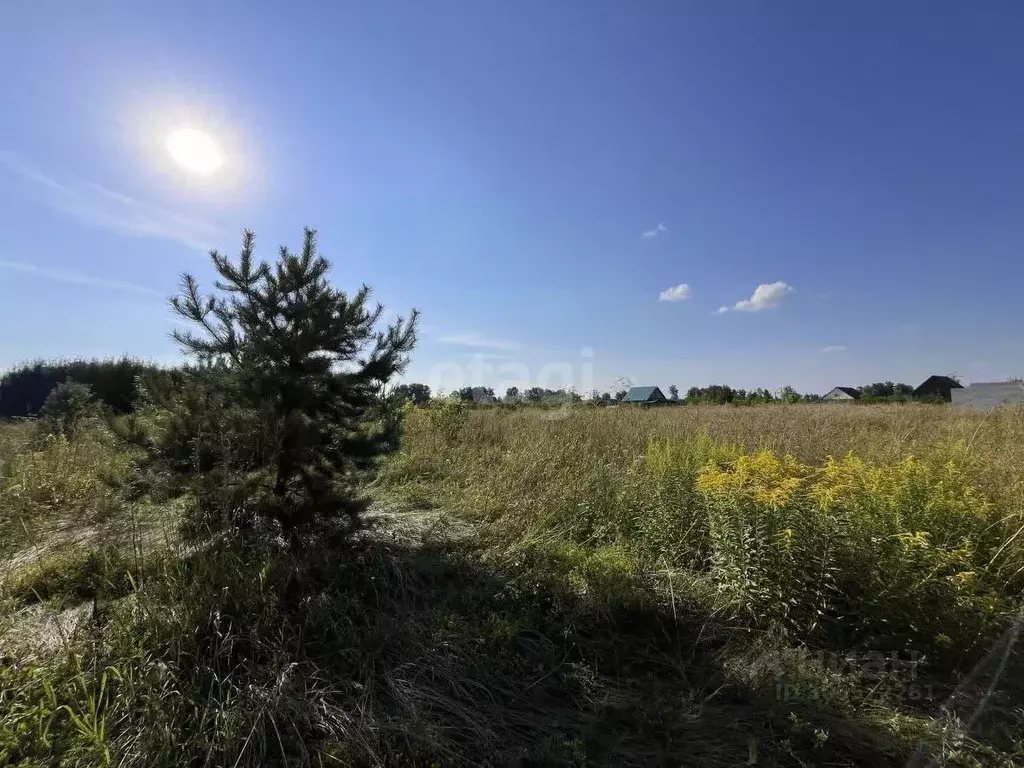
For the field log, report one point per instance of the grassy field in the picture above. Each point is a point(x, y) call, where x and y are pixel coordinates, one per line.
point(775, 585)
point(857, 567)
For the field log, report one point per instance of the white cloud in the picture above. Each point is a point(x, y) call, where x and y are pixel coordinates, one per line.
point(661, 229)
point(103, 208)
point(834, 348)
point(478, 340)
point(76, 278)
point(766, 296)
point(679, 292)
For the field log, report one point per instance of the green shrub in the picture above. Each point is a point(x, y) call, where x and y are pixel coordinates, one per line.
point(68, 404)
point(447, 417)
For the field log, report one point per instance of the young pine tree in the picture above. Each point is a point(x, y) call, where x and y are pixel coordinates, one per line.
point(304, 361)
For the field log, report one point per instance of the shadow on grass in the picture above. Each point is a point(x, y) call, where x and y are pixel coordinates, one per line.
point(432, 654)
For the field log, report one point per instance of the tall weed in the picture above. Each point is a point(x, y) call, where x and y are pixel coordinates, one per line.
point(854, 554)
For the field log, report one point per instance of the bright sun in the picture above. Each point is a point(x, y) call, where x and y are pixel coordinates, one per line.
point(194, 151)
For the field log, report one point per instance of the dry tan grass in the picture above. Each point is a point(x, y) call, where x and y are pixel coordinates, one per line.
point(808, 432)
point(994, 441)
point(15, 438)
point(34, 632)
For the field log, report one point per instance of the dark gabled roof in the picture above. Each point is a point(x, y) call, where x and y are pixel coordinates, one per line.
point(851, 391)
point(643, 395)
point(937, 384)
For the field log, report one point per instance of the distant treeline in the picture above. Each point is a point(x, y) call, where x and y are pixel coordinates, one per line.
point(878, 392)
point(718, 394)
point(886, 391)
point(722, 394)
point(23, 389)
point(419, 394)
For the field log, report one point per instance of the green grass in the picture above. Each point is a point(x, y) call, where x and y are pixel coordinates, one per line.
point(75, 578)
point(618, 588)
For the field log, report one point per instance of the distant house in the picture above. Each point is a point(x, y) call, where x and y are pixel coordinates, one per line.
point(938, 386)
point(644, 395)
point(842, 393)
point(985, 396)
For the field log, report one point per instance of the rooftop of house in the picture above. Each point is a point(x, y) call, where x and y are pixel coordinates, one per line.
point(643, 395)
point(933, 383)
point(851, 391)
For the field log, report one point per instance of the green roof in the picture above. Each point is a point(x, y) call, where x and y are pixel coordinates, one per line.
point(643, 395)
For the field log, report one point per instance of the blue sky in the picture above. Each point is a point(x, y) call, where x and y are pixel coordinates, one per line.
point(533, 176)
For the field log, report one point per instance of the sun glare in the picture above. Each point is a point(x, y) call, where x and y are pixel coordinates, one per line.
point(194, 151)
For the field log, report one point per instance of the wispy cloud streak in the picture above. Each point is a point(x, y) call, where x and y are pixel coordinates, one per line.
point(103, 208)
point(75, 278)
point(478, 340)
